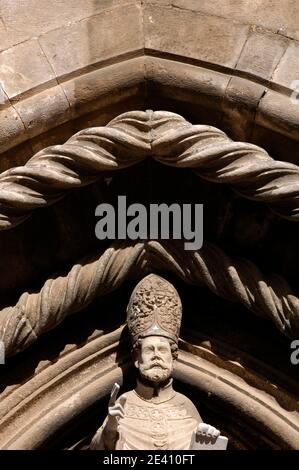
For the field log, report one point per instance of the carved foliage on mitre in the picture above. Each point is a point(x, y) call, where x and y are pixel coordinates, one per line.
point(154, 309)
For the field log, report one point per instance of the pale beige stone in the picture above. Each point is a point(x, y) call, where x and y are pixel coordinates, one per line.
point(105, 87)
point(93, 40)
point(24, 67)
point(44, 110)
point(262, 53)
point(24, 19)
point(279, 16)
point(195, 35)
point(288, 69)
point(12, 129)
point(279, 113)
point(242, 97)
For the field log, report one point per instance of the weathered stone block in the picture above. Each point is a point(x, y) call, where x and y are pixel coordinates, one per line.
point(44, 111)
point(244, 92)
point(179, 80)
point(281, 17)
point(106, 35)
point(280, 113)
point(104, 87)
point(197, 35)
point(24, 67)
point(25, 19)
point(261, 53)
point(12, 129)
point(242, 98)
point(288, 68)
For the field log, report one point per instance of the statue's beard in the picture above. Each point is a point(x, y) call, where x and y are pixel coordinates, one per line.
point(156, 372)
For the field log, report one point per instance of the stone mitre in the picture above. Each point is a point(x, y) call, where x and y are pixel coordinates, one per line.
point(154, 309)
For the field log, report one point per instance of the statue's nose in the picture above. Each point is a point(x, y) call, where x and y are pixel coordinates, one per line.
point(156, 355)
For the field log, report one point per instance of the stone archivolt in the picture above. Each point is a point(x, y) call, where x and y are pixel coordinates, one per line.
point(32, 412)
point(86, 157)
point(125, 141)
point(134, 136)
point(232, 279)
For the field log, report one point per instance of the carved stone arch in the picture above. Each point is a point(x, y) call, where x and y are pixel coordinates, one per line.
point(219, 82)
point(61, 75)
point(51, 407)
point(129, 139)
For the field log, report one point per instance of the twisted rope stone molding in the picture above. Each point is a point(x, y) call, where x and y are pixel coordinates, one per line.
point(134, 136)
point(232, 279)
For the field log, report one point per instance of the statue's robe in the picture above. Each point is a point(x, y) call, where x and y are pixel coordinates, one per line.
point(166, 421)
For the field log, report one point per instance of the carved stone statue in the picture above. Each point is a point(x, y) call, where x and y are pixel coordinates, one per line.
point(153, 416)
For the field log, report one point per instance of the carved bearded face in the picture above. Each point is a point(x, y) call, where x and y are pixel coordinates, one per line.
point(154, 359)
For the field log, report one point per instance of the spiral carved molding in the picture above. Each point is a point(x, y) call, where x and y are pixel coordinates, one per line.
point(237, 280)
point(134, 136)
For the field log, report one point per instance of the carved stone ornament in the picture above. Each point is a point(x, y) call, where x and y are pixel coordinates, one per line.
point(154, 309)
point(154, 416)
point(261, 390)
point(128, 139)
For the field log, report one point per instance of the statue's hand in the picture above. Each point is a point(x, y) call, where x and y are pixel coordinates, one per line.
point(115, 413)
point(205, 430)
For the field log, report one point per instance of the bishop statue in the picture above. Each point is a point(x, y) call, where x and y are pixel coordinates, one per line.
point(153, 416)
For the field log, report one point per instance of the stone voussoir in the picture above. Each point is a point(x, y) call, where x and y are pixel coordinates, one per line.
point(43, 111)
point(12, 129)
point(279, 113)
point(103, 87)
point(181, 81)
point(240, 103)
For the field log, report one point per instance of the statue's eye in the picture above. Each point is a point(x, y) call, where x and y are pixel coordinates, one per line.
point(163, 350)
